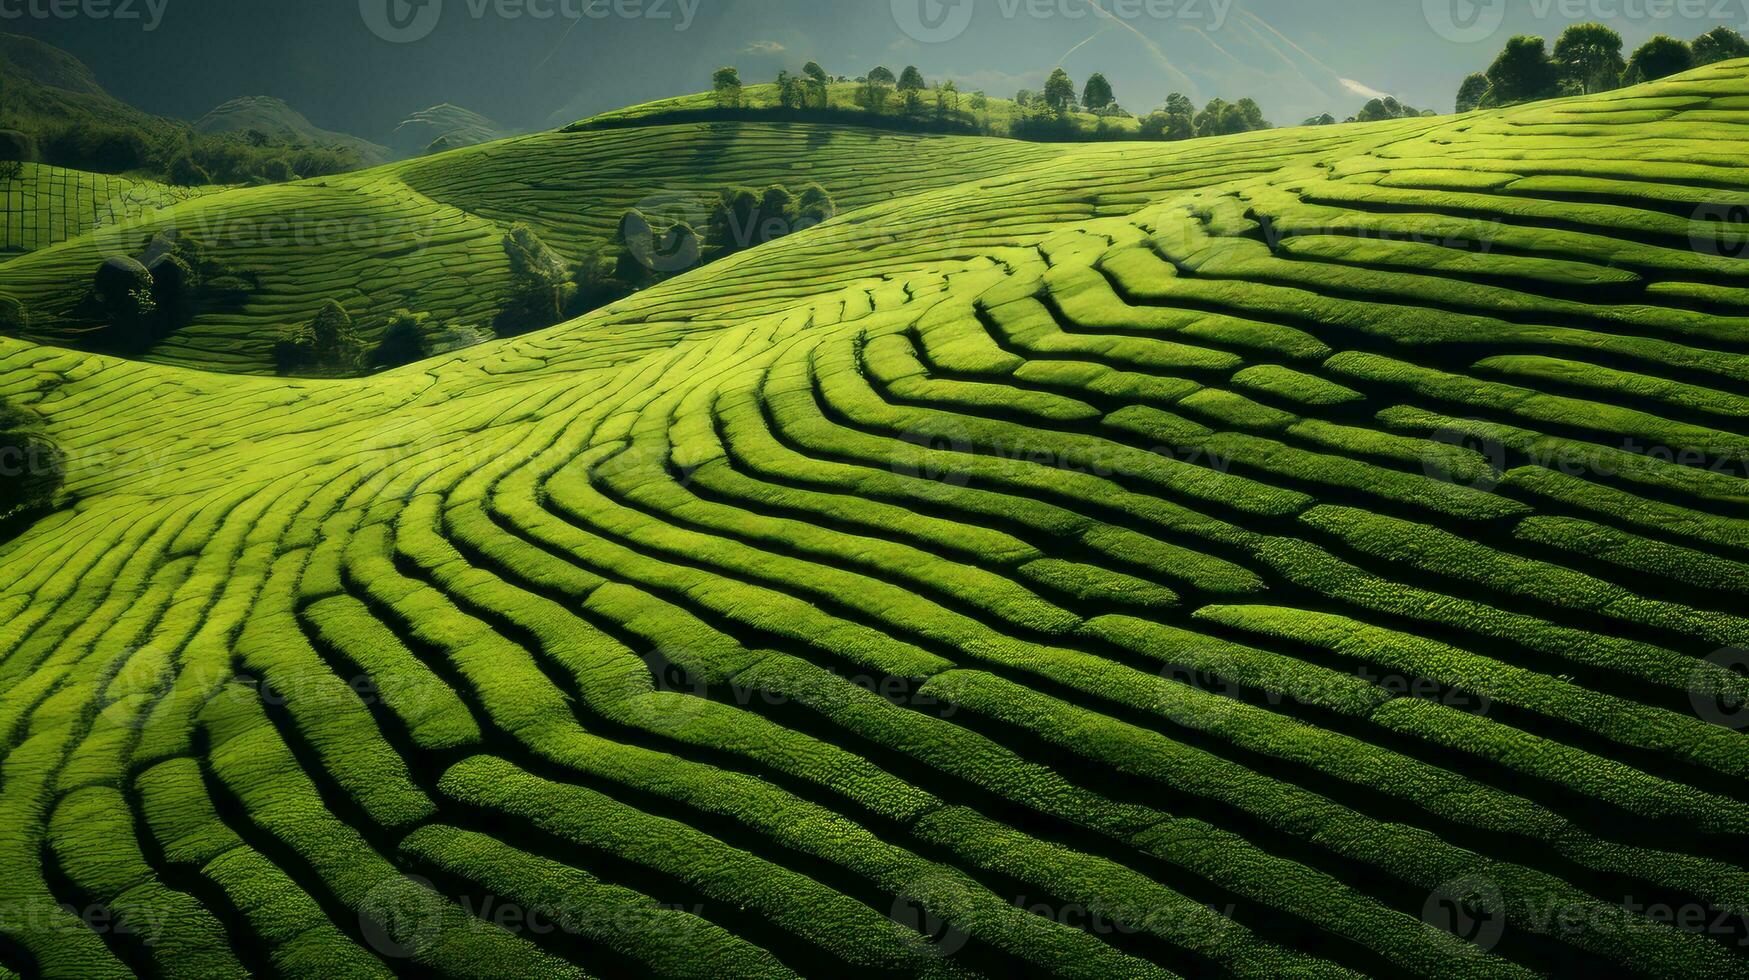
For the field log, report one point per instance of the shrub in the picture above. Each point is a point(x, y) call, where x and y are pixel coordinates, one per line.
point(815, 205)
point(278, 171)
point(403, 340)
point(122, 291)
point(1472, 92)
point(31, 467)
point(540, 282)
point(328, 344)
point(174, 283)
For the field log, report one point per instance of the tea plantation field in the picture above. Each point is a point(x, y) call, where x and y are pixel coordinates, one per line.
point(1316, 553)
point(426, 235)
point(46, 205)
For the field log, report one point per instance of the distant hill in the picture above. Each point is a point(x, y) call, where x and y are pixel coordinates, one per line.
point(41, 84)
point(275, 118)
point(42, 64)
point(67, 120)
point(444, 127)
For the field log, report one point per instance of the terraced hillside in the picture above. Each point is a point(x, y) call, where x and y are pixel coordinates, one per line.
point(1298, 555)
point(47, 205)
point(426, 235)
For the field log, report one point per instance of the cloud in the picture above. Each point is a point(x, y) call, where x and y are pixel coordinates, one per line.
point(765, 47)
point(1359, 89)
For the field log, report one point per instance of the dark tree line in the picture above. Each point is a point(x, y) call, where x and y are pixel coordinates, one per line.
point(143, 298)
point(172, 155)
point(1375, 110)
point(648, 249)
point(1179, 119)
point(1589, 58)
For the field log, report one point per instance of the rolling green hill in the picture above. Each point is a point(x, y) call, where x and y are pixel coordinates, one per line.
point(425, 235)
point(996, 116)
point(1317, 553)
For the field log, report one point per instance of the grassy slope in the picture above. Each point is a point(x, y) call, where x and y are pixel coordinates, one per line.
point(997, 117)
point(425, 234)
point(1162, 681)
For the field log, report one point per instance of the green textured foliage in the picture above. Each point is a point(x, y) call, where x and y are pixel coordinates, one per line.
point(1212, 559)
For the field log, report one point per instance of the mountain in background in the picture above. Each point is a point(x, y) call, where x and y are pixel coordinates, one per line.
point(57, 112)
point(275, 119)
point(443, 127)
point(42, 85)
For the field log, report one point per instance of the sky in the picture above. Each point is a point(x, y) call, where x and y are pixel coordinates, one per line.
point(361, 66)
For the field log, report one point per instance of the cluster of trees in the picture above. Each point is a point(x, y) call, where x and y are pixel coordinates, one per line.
point(1589, 58)
point(1050, 113)
point(328, 344)
point(647, 249)
point(142, 298)
point(1179, 119)
point(1376, 110)
point(876, 92)
point(1046, 114)
point(1059, 96)
point(546, 289)
point(32, 469)
point(809, 90)
point(175, 157)
point(332, 343)
point(877, 88)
